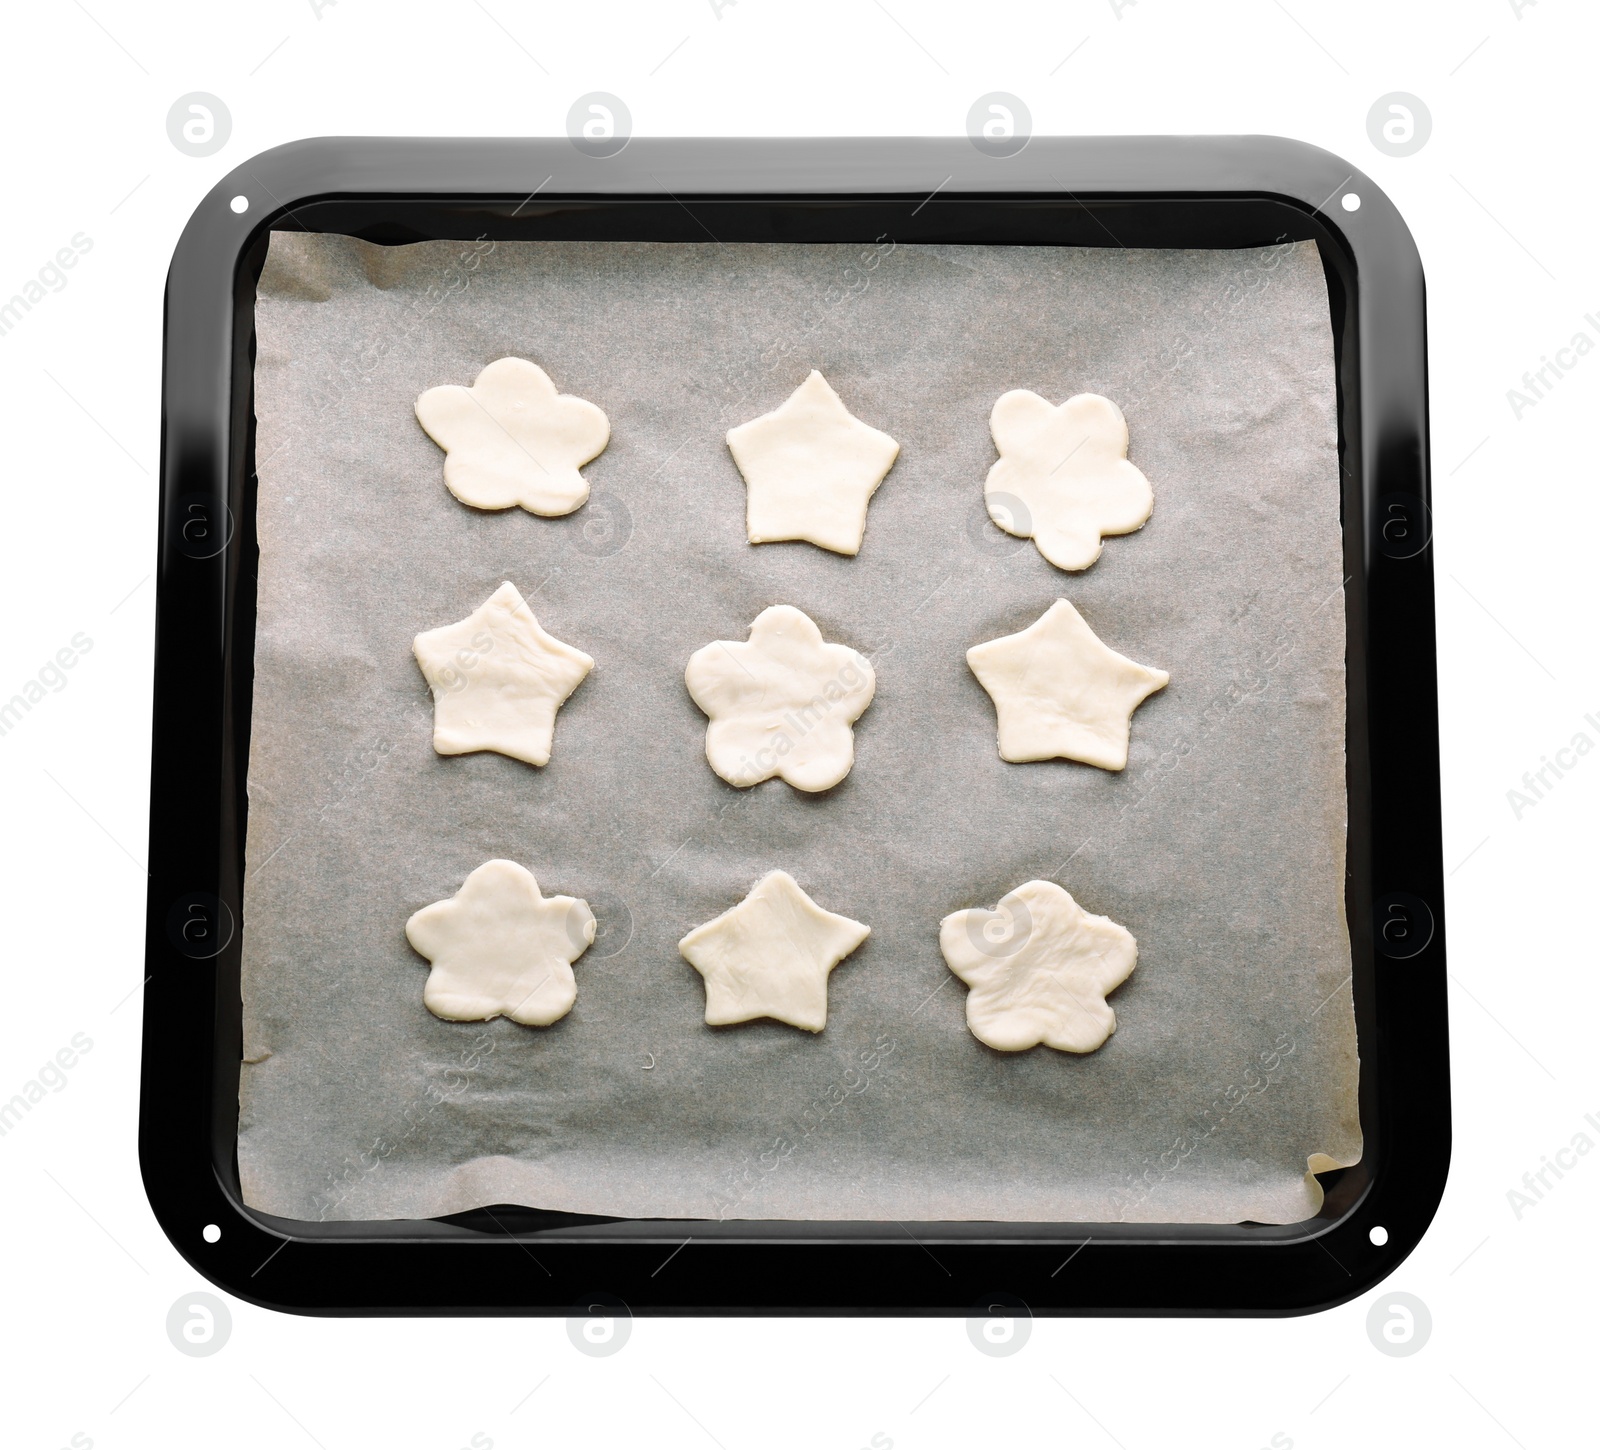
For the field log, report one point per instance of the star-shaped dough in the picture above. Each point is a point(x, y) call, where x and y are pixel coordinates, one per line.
point(809, 467)
point(500, 948)
point(770, 956)
point(512, 439)
point(498, 679)
point(782, 704)
point(1058, 691)
point(1063, 478)
point(1039, 967)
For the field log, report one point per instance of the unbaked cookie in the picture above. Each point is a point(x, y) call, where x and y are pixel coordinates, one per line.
point(500, 948)
point(1039, 967)
point(498, 679)
point(782, 703)
point(810, 467)
point(1063, 478)
point(770, 956)
point(1058, 691)
point(512, 439)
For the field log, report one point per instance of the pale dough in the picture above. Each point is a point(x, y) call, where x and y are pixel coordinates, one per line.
point(500, 948)
point(770, 956)
point(1059, 692)
point(1039, 967)
point(512, 439)
point(781, 704)
point(498, 679)
point(809, 467)
point(1063, 478)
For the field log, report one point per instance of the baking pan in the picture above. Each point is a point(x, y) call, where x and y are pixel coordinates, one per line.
point(1137, 192)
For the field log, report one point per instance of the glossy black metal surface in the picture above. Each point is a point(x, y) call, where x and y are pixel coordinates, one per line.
point(1159, 191)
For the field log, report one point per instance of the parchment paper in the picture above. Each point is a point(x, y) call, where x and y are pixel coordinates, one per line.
point(1220, 847)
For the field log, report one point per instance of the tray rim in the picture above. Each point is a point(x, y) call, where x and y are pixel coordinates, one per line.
point(186, 1133)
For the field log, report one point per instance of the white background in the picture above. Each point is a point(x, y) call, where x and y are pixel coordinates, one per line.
point(1501, 201)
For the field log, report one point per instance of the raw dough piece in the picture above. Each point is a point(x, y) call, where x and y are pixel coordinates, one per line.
point(783, 704)
point(1063, 478)
point(498, 680)
point(512, 439)
point(810, 467)
point(1039, 967)
point(770, 956)
point(499, 947)
point(1058, 691)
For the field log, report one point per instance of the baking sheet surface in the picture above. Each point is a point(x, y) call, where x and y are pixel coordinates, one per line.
point(1220, 847)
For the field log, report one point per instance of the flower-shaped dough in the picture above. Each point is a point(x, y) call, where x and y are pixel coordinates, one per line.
point(770, 956)
point(1063, 478)
point(498, 679)
point(501, 948)
point(1059, 691)
point(809, 467)
point(512, 439)
point(781, 704)
point(1039, 967)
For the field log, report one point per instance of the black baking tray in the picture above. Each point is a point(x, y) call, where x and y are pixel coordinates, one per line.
point(1215, 192)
